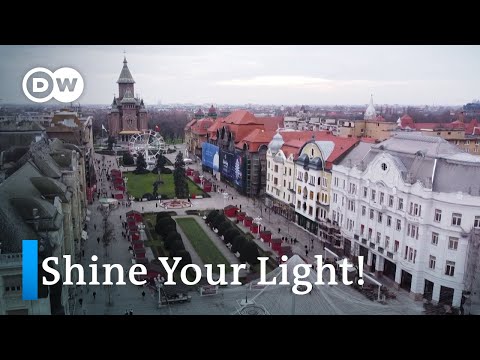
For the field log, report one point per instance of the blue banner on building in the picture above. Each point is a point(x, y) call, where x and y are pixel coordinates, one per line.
point(210, 156)
point(232, 167)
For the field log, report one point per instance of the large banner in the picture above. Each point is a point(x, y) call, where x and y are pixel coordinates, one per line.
point(227, 165)
point(210, 156)
point(232, 166)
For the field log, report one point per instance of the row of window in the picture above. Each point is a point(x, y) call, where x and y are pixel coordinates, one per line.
point(449, 265)
point(414, 209)
point(275, 169)
point(380, 218)
point(277, 193)
point(319, 212)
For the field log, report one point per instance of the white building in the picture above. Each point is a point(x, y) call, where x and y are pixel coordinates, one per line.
point(408, 205)
point(282, 152)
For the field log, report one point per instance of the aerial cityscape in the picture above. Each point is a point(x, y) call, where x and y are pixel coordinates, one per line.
point(239, 180)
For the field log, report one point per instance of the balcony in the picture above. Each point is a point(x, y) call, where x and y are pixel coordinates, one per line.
point(389, 254)
point(380, 250)
point(372, 245)
point(356, 237)
point(364, 241)
point(412, 218)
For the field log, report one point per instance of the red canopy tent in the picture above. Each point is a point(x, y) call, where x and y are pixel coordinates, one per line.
point(118, 196)
point(135, 215)
point(135, 235)
point(137, 245)
point(132, 226)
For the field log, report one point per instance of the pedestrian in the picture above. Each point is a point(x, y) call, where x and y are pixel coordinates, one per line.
point(83, 252)
point(306, 252)
point(143, 295)
point(306, 247)
point(95, 226)
point(98, 240)
point(80, 301)
point(126, 312)
point(311, 240)
point(120, 217)
point(130, 312)
point(156, 205)
point(94, 295)
point(142, 208)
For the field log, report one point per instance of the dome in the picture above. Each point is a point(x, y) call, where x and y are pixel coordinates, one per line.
point(276, 143)
point(212, 110)
point(370, 113)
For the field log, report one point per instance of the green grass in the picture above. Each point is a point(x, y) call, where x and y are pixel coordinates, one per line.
point(202, 244)
point(138, 185)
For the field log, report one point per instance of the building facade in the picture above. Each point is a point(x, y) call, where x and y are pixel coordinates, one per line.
point(196, 132)
point(372, 126)
point(407, 206)
point(465, 135)
point(128, 115)
point(282, 152)
point(243, 140)
point(43, 199)
point(313, 182)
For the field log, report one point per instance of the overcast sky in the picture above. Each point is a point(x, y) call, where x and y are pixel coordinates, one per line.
point(282, 75)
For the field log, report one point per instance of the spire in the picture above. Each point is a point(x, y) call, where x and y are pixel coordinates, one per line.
point(370, 113)
point(125, 75)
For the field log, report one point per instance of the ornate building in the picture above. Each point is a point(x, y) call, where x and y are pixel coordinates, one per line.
point(128, 115)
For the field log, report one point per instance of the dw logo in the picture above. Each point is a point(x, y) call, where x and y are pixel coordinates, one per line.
point(40, 85)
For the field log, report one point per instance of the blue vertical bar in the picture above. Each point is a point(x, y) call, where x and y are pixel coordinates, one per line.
point(30, 269)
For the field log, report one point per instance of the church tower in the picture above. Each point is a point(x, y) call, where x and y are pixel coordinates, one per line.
point(370, 113)
point(128, 115)
point(125, 80)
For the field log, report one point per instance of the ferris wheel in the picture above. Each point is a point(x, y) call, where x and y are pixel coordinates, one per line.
point(149, 143)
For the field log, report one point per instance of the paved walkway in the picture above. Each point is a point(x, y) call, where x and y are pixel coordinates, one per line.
point(217, 241)
point(116, 299)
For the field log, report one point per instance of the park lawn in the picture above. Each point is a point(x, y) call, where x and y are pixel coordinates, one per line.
point(202, 244)
point(141, 184)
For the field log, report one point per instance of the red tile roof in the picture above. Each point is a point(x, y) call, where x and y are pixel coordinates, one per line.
point(342, 146)
point(255, 139)
point(242, 117)
point(368, 140)
point(189, 124)
point(241, 123)
point(201, 126)
point(272, 122)
point(212, 130)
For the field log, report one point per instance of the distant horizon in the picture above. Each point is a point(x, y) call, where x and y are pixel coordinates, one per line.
point(244, 74)
point(206, 105)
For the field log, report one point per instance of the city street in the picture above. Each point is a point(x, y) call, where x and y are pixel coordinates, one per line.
point(117, 300)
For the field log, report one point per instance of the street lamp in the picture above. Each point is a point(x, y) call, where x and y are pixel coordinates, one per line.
point(258, 221)
point(225, 197)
